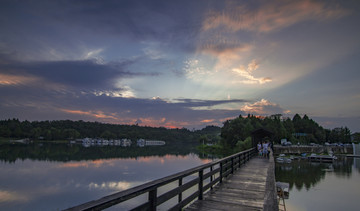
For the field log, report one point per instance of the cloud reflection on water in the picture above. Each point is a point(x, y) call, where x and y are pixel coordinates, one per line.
point(43, 185)
point(10, 196)
point(119, 186)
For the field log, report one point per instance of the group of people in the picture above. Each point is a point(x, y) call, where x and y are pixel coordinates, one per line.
point(263, 149)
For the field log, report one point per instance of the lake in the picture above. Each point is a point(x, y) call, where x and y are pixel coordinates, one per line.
point(42, 176)
point(321, 186)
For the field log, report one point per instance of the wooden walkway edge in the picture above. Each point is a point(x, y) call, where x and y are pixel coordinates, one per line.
point(252, 187)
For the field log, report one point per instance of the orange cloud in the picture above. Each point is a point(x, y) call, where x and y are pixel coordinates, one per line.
point(86, 164)
point(7, 196)
point(219, 46)
point(114, 119)
point(161, 159)
point(205, 161)
point(74, 165)
point(207, 120)
point(162, 122)
point(271, 16)
point(8, 80)
point(96, 114)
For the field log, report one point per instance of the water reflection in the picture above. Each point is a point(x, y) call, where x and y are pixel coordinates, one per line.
point(300, 174)
point(44, 177)
point(69, 152)
point(357, 164)
point(321, 186)
point(303, 174)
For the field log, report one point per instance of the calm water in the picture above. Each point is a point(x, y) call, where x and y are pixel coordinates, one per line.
point(315, 186)
point(55, 177)
point(40, 177)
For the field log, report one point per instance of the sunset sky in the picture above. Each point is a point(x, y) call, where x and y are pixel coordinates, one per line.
point(187, 63)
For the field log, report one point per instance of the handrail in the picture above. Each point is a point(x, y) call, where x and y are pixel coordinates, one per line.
point(217, 170)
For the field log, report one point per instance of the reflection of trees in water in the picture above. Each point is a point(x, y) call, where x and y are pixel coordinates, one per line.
point(67, 152)
point(307, 174)
point(357, 164)
point(210, 156)
point(343, 167)
point(300, 173)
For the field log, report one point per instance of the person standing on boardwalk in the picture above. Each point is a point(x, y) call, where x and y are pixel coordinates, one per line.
point(259, 149)
point(265, 149)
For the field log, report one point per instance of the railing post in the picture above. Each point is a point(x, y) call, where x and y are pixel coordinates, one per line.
point(221, 172)
point(152, 199)
point(232, 165)
point(180, 194)
point(201, 173)
point(240, 159)
point(211, 177)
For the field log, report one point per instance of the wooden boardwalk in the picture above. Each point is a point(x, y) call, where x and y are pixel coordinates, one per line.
point(239, 182)
point(252, 187)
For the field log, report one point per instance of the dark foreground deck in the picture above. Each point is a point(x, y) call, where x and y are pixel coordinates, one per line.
point(252, 187)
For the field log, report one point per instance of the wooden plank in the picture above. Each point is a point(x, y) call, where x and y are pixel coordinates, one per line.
point(243, 190)
point(219, 206)
point(242, 193)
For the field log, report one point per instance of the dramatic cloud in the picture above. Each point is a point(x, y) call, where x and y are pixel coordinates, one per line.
point(105, 60)
point(273, 15)
point(85, 73)
point(247, 74)
point(263, 107)
point(13, 80)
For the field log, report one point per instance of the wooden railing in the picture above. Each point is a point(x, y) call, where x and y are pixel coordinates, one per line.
point(206, 176)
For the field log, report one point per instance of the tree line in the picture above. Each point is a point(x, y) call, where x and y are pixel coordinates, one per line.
point(296, 130)
point(234, 133)
point(69, 130)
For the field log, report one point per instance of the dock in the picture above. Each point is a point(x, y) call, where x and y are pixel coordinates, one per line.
point(252, 187)
point(321, 158)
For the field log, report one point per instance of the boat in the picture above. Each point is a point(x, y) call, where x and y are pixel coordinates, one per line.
point(280, 160)
point(283, 160)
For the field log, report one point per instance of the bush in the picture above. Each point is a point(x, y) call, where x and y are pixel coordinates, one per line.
point(243, 145)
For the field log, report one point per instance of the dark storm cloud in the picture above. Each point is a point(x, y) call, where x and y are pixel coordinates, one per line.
point(82, 74)
point(201, 103)
point(154, 19)
point(141, 20)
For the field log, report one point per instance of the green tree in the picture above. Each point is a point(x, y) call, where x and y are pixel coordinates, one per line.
point(71, 134)
point(203, 139)
point(356, 137)
point(108, 135)
point(36, 132)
